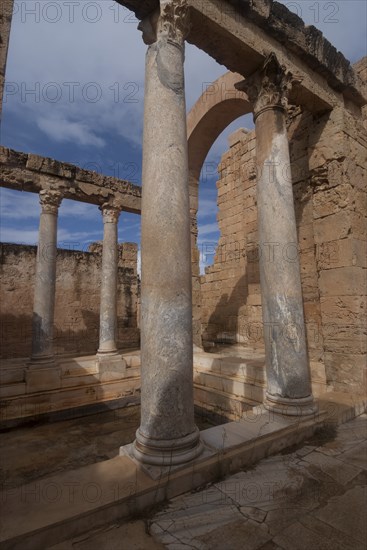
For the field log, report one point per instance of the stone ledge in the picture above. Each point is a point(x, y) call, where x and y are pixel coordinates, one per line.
point(65, 505)
point(28, 172)
point(34, 514)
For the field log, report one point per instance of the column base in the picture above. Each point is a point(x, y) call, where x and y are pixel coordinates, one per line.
point(111, 366)
point(303, 406)
point(41, 361)
point(167, 452)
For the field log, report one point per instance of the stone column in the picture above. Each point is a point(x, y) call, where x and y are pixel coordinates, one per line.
point(288, 377)
point(5, 27)
point(44, 290)
point(42, 373)
point(108, 359)
point(167, 433)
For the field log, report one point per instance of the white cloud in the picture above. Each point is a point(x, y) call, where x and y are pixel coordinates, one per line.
point(80, 210)
point(62, 130)
point(208, 229)
point(106, 58)
point(207, 207)
point(20, 236)
point(15, 205)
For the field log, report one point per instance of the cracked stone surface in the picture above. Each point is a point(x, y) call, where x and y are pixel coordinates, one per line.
point(310, 497)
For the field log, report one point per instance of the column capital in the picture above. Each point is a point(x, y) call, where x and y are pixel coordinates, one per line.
point(50, 200)
point(268, 87)
point(172, 22)
point(110, 213)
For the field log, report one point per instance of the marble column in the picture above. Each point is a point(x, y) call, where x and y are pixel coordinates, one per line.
point(5, 27)
point(167, 434)
point(288, 377)
point(108, 307)
point(42, 358)
point(109, 361)
point(45, 279)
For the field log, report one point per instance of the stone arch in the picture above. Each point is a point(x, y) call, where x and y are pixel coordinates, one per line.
point(217, 107)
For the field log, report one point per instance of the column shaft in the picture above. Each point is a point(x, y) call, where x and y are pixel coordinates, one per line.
point(288, 378)
point(108, 307)
point(167, 434)
point(45, 279)
point(5, 27)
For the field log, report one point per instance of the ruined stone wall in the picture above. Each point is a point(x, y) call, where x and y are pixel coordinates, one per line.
point(77, 299)
point(338, 178)
point(328, 171)
point(231, 287)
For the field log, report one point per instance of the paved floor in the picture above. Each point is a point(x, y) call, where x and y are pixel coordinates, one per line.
point(32, 453)
point(310, 498)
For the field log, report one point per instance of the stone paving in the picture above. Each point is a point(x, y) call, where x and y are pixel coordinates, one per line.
point(32, 453)
point(308, 498)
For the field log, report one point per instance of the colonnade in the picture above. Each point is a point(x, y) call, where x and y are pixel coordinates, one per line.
point(42, 371)
point(167, 434)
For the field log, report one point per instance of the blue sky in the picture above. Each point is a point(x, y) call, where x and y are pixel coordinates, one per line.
point(75, 91)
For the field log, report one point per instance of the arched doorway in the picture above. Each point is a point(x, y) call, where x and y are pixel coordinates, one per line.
point(216, 108)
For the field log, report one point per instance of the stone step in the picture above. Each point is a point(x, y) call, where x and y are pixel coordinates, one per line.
point(68, 503)
point(34, 404)
point(230, 385)
point(10, 390)
point(132, 360)
point(252, 370)
point(222, 403)
point(11, 374)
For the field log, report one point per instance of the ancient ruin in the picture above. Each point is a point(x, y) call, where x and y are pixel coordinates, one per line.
point(274, 330)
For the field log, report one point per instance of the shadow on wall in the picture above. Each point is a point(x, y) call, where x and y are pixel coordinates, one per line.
point(224, 324)
point(16, 335)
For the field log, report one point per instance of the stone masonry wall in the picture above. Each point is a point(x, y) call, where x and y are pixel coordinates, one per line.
point(328, 171)
point(77, 299)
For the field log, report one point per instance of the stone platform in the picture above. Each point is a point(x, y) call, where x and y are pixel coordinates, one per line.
point(54, 508)
point(227, 382)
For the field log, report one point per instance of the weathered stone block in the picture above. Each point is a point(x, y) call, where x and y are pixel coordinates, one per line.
point(332, 200)
point(343, 281)
point(334, 227)
point(347, 310)
point(41, 379)
point(346, 370)
point(341, 253)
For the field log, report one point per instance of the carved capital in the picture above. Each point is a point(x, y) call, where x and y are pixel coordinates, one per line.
point(172, 22)
point(110, 213)
point(269, 87)
point(50, 201)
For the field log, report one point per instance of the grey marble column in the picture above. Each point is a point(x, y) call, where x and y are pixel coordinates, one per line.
point(167, 434)
point(45, 279)
point(110, 364)
point(288, 378)
point(5, 27)
point(108, 307)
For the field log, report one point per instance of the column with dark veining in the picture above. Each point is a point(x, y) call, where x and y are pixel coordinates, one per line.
point(167, 434)
point(45, 279)
point(288, 377)
point(109, 361)
point(42, 358)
